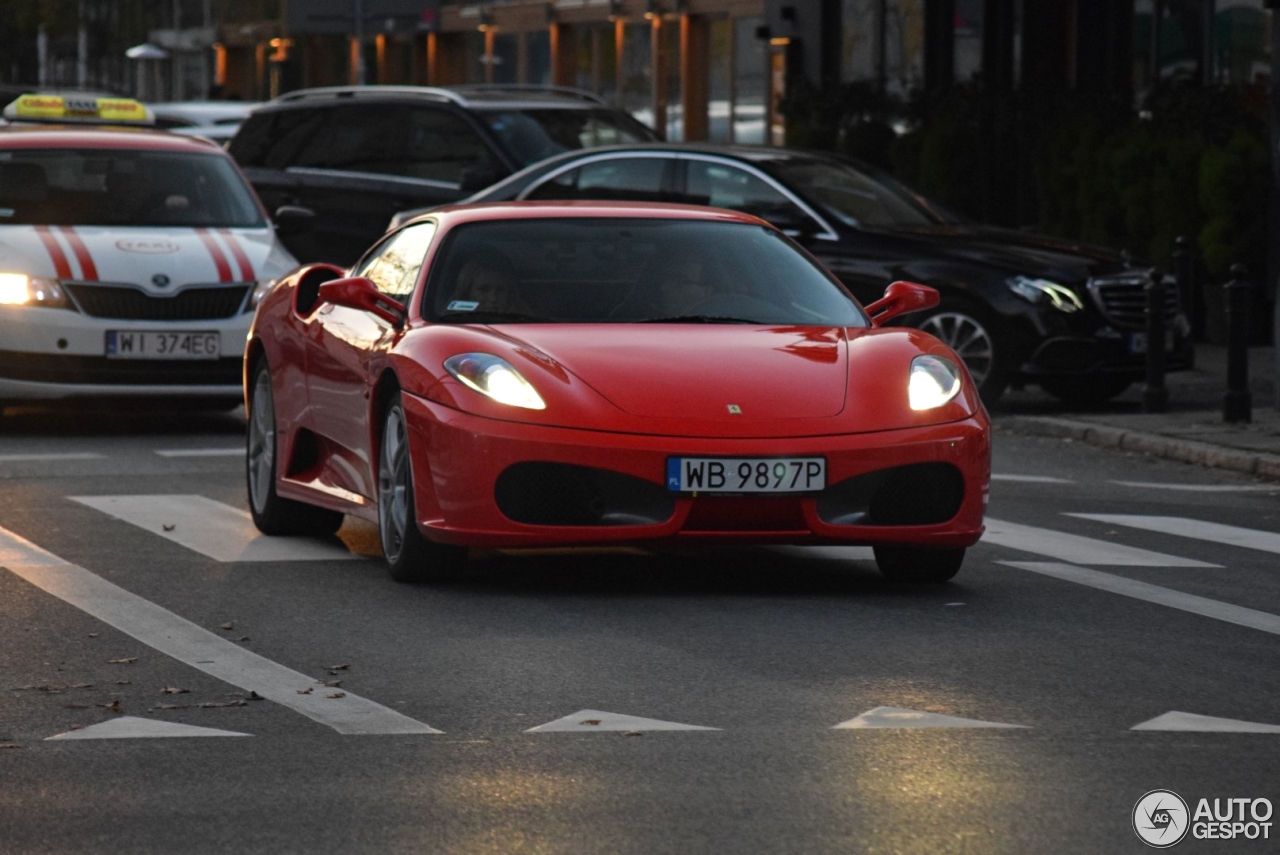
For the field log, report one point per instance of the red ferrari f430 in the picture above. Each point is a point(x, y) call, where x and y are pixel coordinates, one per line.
point(555, 374)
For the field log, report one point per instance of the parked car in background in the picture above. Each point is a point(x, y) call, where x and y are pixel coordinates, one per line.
point(1017, 307)
point(357, 155)
point(216, 120)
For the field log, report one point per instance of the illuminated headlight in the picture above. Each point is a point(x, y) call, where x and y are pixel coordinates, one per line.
point(493, 376)
point(934, 381)
point(1043, 291)
point(260, 291)
point(19, 289)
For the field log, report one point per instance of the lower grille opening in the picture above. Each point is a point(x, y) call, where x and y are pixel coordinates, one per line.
point(539, 493)
point(917, 494)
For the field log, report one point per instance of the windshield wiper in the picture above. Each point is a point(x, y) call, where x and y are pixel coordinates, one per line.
point(489, 317)
point(700, 319)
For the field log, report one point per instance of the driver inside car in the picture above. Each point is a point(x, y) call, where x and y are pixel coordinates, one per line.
point(492, 285)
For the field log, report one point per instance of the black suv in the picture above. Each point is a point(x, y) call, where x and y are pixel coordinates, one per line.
point(356, 155)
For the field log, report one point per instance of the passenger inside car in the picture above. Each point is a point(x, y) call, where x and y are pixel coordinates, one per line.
point(491, 285)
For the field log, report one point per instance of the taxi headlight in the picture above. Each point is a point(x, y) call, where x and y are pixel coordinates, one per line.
point(934, 381)
point(494, 377)
point(1040, 291)
point(19, 289)
point(261, 289)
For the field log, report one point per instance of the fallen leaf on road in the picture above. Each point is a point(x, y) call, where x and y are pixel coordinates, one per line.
point(336, 695)
point(124, 682)
point(81, 685)
point(168, 526)
point(4, 745)
point(114, 706)
point(254, 696)
point(243, 638)
point(305, 691)
point(342, 667)
point(212, 704)
point(228, 626)
point(333, 684)
point(94, 634)
point(76, 727)
point(591, 721)
point(634, 733)
point(174, 690)
point(129, 661)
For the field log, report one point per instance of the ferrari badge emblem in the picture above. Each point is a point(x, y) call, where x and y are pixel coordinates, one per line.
point(735, 410)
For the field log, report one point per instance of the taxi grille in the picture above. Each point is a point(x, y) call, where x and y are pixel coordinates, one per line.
point(1124, 301)
point(132, 304)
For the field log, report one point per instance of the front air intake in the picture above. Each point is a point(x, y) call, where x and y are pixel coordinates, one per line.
point(564, 494)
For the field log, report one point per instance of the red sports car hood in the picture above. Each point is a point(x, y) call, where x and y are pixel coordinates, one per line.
point(703, 372)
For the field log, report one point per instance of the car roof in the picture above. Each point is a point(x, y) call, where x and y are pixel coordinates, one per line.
point(97, 136)
point(489, 211)
point(475, 96)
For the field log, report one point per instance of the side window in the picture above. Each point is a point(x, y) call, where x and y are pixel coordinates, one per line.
point(273, 139)
point(357, 138)
point(393, 266)
point(722, 186)
point(622, 179)
point(440, 146)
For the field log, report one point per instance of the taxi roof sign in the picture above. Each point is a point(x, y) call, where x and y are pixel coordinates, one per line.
point(73, 108)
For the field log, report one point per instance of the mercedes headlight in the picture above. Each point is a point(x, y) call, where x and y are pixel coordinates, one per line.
point(1039, 291)
point(493, 376)
point(19, 289)
point(934, 381)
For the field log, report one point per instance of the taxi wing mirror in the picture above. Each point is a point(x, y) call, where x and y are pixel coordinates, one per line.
point(902, 298)
point(359, 293)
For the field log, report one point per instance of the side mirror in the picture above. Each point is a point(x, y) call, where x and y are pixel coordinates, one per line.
point(902, 298)
point(359, 293)
point(293, 220)
point(477, 177)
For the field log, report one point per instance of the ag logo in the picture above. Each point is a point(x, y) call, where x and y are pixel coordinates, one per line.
point(148, 246)
point(1160, 819)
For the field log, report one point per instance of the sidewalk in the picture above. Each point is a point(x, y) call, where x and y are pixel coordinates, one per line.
point(1191, 431)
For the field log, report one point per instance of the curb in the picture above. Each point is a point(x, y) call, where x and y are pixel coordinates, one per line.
point(1256, 463)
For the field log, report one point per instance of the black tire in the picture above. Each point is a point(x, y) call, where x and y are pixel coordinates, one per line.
point(1085, 391)
point(272, 514)
point(977, 336)
point(917, 565)
point(410, 556)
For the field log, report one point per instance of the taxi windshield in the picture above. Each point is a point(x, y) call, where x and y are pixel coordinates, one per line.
point(122, 187)
point(628, 270)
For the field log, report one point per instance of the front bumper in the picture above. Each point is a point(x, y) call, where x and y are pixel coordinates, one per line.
point(458, 459)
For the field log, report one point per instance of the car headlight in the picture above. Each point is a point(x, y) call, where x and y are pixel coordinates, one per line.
point(261, 289)
point(1039, 291)
point(934, 381)
point(19, 289)
point(493, 376)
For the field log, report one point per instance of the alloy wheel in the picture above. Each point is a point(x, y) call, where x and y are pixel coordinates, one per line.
point(968, 338)
point(261, 456)
point(393, 485)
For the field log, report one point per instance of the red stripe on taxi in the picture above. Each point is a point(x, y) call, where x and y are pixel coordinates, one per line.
point(246, 269)
point(215, 252)
point(88, 270)
point(61, 267)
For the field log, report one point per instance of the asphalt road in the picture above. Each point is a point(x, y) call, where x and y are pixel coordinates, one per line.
point(1146, 612)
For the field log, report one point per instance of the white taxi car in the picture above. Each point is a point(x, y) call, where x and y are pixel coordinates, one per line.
point(131, 260)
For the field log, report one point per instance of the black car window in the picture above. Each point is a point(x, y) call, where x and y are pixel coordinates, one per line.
point(357, 138)
point(532, 135)
point(272, 139)
point(630, 270)
point(625, 179)
point(393, 266)
point(722, 186)
point(854, 197)
point(441, 146)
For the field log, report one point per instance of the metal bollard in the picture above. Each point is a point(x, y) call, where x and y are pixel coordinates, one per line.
point(1155, 397)
point(1237, 403)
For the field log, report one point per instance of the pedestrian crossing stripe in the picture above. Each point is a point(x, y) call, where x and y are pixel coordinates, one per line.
point(132, 727)
point(1191, 722)
point(1074, 549)
point(899, 718)
point(589, 721)
point(1227, 535)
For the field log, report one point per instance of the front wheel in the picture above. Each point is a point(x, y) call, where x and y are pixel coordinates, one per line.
point(272, 514)
point(410, 556)
point(918, 565)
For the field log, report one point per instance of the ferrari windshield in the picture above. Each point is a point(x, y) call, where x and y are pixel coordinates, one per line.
point(122, 187)
point(642, 270)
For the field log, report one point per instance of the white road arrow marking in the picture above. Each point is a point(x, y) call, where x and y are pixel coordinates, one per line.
point(132, 727)
point(1190, 722)
point(211, 528)
point(897, 717)
point(586, 721)
point(1031, 479)
point(1074, 549)
point(1229, 535)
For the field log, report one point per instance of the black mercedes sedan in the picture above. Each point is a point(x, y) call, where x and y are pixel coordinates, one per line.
point(1019, 308)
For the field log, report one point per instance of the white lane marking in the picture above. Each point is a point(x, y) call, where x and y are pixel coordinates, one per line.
point(1031, 479)
point(201, 452)
point(1202, 488)
point(1074, 549)
point(192, 645)
point(1185, 721)
point(1203, 606)
point(585, 721)
point(211, 528)
point(132, 727)
point(1228, 535)
point(897, 717)
point(23, 458)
